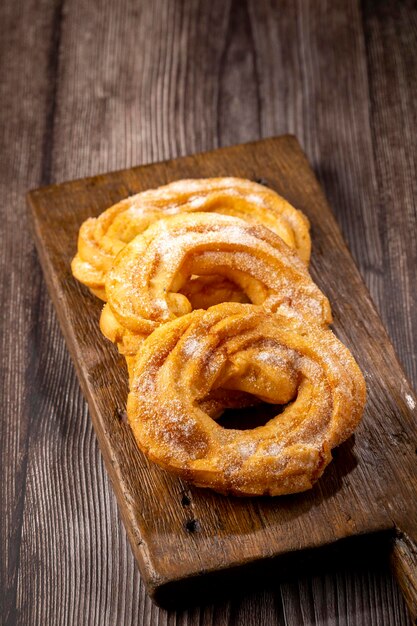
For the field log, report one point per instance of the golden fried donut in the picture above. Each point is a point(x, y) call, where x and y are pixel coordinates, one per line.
point(278, 358)
point(101, 239)
point(142, 287)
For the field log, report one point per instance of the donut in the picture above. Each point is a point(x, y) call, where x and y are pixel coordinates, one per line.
point(277, 358)
point(144, 286)
point(101, 239)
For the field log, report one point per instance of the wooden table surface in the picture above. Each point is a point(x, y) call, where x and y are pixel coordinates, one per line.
point(91, 86)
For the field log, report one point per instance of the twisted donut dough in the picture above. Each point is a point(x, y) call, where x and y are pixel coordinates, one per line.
point(101, 239)
point(278, 358)
point(142, 287)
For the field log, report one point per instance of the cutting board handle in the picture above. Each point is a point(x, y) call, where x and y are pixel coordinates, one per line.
point(404, 567)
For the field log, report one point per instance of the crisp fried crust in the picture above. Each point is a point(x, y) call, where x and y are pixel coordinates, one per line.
point(144, 286)
point(102, 238)
point(276, 357)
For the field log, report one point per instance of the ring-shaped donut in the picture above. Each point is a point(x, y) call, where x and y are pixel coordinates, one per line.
point(143, 286)
point(278, 358)
point(101, 239)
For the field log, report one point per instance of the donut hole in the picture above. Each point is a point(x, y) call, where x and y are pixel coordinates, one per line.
point(205, 291)
point(206, 282)
point(249, 417)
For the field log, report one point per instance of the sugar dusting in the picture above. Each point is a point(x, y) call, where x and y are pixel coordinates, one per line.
point(190, 347)
point(247, 449)
point(293, 444)
point(273, 449)
point(130, 217)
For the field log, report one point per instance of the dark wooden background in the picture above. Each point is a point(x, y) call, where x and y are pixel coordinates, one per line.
point(93, 85)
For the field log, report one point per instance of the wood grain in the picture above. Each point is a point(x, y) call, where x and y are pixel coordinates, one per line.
point(180, 542)
point(24, 95)
point(391, 33)
point(99, 86)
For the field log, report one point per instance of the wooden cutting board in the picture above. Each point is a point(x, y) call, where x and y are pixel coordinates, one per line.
point(182, 536)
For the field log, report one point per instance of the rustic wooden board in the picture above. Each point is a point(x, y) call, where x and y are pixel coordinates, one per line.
point(179, 533)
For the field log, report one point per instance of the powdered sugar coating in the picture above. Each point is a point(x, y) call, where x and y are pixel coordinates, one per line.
point(102, 238)
point(144, 285)
point(240, 345)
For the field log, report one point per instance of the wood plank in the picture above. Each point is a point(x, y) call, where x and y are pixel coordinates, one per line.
point(25, 102)
point(391, 32)
point(391, 35)
point(371, 487)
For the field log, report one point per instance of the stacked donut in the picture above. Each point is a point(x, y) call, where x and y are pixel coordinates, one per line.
point(209, 298)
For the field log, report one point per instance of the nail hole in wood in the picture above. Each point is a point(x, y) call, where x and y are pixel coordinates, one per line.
point(185, 500)
point(122, 415)
point(192, 526)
